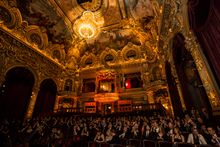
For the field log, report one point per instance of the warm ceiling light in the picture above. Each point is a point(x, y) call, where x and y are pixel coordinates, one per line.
point(86, 26)
point(86, 30)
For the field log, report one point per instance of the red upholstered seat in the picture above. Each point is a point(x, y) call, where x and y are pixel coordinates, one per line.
point(165, 144)
point(135, 142)
point(205, 145)
point(185, 145)
point(149, 143)
point(93, 144)
point(117, 145)
point(104, 145)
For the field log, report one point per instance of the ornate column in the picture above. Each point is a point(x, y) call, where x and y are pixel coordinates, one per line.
point(150, 97)
point(193, 46)
point(60, 87)
point(112, 108)
point(115, 84)
point(180, 94)
point(56, 103)
point(33, 99)
point(123, 81)
point(178, 85)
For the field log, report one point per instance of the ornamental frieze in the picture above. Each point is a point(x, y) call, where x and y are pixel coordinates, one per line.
point(17, 53)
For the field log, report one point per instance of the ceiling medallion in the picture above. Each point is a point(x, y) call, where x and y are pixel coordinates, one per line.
point(86, 26)
point(92, 5)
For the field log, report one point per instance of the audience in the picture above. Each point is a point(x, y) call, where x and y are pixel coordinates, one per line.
point(57, 130)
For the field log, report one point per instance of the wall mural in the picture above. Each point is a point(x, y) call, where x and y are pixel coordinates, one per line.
point(40, 13)
point(114, 39)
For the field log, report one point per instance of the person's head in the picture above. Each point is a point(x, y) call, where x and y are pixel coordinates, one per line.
point(125, 129)
point(176, 130)
point(98, 132)
point(210, 130)
point(154, 123)
point(203, 128)
point(170, 125)
point(200, 120)
point(195, 131)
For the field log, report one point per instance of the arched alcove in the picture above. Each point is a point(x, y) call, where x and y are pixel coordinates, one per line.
point(15, 93)
point(46, 98)
point(68, 85)
point(194, 93)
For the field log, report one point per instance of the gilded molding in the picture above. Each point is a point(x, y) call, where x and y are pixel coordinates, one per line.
point(31, 35)
point(106, 52)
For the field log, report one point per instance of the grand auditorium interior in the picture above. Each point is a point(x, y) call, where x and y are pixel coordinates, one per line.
point(110, 73)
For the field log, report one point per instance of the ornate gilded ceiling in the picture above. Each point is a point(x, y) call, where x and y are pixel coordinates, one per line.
point(123, 26)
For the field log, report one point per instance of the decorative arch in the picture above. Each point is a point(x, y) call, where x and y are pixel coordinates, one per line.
point(57, 52)
point(16, 92)
point(46, 98)
point(107, 52)
point(87, 57)
point(16, 65)
point(130, 47)
point(11, 17)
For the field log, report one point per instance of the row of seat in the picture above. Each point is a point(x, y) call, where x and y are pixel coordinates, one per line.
point(145, 143)
point(79, 141)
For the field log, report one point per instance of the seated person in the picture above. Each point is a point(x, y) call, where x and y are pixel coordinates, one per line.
point(177, 136)
point(115, 138)
point(161, 135)
point(195, 137)
point(99, 137)
point(213, 138)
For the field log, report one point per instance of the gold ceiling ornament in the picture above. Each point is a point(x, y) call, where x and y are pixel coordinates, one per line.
point(87, 26)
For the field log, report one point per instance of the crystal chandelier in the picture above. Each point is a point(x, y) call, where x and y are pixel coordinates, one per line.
point(86, 26)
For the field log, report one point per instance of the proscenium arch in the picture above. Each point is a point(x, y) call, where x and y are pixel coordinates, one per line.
point(15, 92)
point(194, 93)
point(46, 98)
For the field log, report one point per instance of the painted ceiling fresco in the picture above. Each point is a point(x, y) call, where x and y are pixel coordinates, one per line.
point(124, 21)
